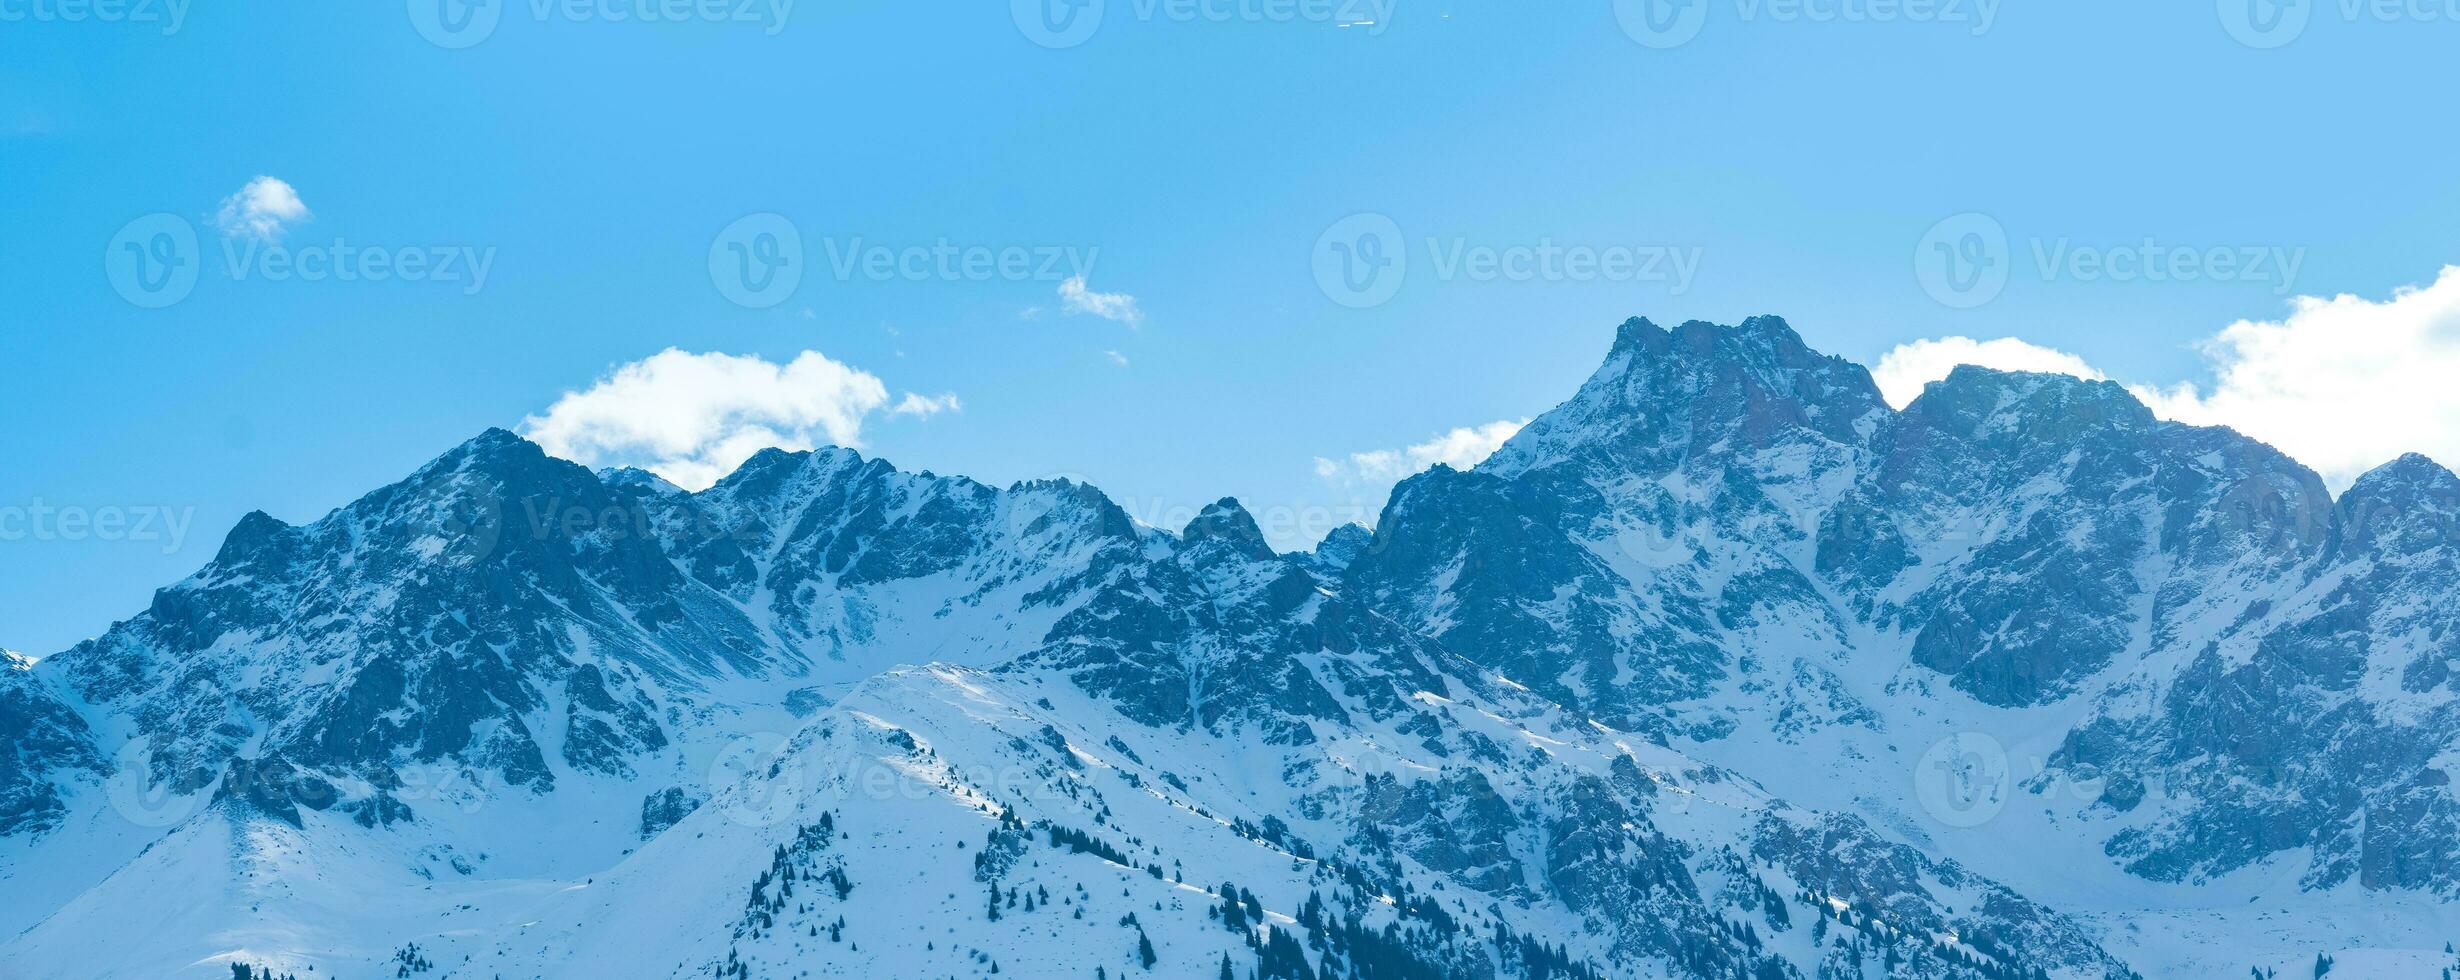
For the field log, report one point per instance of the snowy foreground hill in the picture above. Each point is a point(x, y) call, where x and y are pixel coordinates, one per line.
point(1724, 668)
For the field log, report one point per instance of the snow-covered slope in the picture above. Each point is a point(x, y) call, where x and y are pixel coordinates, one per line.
point(929, 789)
point(1722, 668)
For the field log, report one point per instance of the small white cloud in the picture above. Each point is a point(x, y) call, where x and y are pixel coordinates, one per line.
point(1461, 449)
point(2342, 384)
point(1074, 297)
point(1902, 372)
point(693, 418)
point(1116, 357)
point(925, 407)
point(262, 210)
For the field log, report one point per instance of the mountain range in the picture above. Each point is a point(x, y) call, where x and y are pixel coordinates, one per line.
point(1722, 668)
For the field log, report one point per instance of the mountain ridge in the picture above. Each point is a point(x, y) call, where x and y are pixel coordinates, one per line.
point(1726, 553)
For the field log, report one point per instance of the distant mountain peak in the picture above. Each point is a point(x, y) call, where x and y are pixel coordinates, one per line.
point(258, 533)
point(1764, 333)
point(639, 479)
point(772, 469)
point(2414, 472)
point(1226, 521)
point(1639, 334)
point(1343, 546)
point(1976, 400)
point(1661, 394)
point(2411, 504)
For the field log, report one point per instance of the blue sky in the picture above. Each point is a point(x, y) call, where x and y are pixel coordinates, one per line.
point(1196, 162)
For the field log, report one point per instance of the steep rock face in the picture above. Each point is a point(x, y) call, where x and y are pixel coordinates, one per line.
point(524, 619)
point(1723, 529)
point(2322, 720)
point(1220, 634)
point(43, 743)
point(2069, 526)
point(1576, 559)
point(843, 557)
point(496, 609)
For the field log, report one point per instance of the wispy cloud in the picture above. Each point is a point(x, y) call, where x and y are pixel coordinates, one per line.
point(922, 406)
point(693, 418)
point(1116, 357)
point(1075, 297)
point(263, 210)
point(1461, 448)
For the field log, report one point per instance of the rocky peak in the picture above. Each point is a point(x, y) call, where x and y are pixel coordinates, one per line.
point(2408, 505)
point(631, 478)
point(259, 539)
point(1345, 545)
point(1701, 388)
point(43, 743)
point(1228, 523)
point(773, 474)
point(2023, 407)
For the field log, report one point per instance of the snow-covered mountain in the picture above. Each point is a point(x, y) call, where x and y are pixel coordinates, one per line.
point(1723, 668)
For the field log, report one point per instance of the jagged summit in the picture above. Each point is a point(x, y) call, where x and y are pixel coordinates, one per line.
point(257, 534)
point(2411, 504)
point(634, 478)
point(2413, 473)
point(1766, 333)
point(493, 450)
point(1978, 401)
point(1663, 395)
point(1228, 522)
point(1343, 546)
